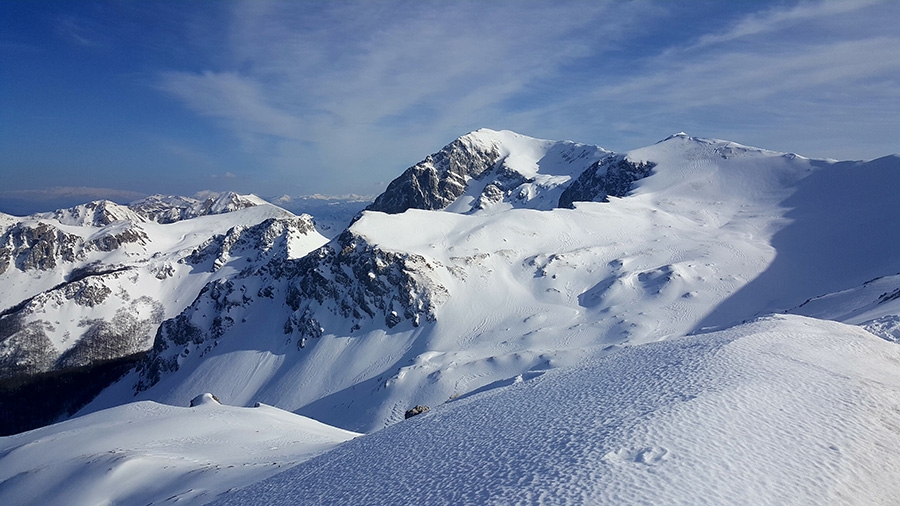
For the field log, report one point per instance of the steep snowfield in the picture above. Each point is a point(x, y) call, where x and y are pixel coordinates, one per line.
point(148, 453)
point(783, 410)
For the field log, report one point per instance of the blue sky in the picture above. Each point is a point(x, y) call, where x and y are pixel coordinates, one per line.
point(119, 99)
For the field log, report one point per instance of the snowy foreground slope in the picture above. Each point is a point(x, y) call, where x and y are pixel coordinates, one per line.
point(149, 453)
point(783, 410)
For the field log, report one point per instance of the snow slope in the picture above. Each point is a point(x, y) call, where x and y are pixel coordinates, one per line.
point(148, 453)
point(518, 290)
point(783, 410)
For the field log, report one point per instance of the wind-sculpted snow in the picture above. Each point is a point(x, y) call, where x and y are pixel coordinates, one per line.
point(784, 410)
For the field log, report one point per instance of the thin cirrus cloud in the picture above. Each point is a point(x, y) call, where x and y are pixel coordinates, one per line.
point(820, 77)
point(301, 81)
point(364, 74)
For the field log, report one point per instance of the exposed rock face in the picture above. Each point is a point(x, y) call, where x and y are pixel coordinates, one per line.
point(113, 241)
point(434, 183)
point(41, 246)
point(252, 242)
point(612, 176)
point(502, 186)
point(360, 281)
point(347, 278)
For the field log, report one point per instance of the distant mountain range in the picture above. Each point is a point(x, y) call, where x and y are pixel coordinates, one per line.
point(492, 261)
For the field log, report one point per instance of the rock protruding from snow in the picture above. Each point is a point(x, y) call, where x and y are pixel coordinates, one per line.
point(614, 176)
point(417, 410)
point(485, 168)
point(169, 209)
point(439, 179)
point(204, 399)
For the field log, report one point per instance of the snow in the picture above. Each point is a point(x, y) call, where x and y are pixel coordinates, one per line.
point(545, 166)
point(529, 290)
point(783, 410)
point(570, 360)
point(148, 453)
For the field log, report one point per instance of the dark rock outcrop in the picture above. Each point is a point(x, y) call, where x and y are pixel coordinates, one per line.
point(613, 176)
point(434, 183)
point(348, 278)
point(417, 410)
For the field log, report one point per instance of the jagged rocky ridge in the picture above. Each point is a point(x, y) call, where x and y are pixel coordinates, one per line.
point(439, 179)
point(91, 284)
point(169, 209)
point(347, 278)
point(613, 176)
point(489, 168)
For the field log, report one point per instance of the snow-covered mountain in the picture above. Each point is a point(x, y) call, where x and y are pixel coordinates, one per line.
point(486, 169)
point(423, 305)
point(91, 284)
point(510, 271)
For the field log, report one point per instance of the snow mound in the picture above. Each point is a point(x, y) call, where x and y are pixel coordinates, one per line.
point(149, 453)
point(782, 410)
point(204, 400)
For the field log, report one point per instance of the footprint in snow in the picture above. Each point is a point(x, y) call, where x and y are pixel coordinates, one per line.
point(649, 455)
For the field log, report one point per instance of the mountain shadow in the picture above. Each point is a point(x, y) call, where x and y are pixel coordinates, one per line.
point(843, 230)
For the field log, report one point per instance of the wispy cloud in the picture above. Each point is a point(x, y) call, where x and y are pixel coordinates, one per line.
point(334, 75)
point(81, 31)
point(347, 85)
point(781, 18)
point(238, 100)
